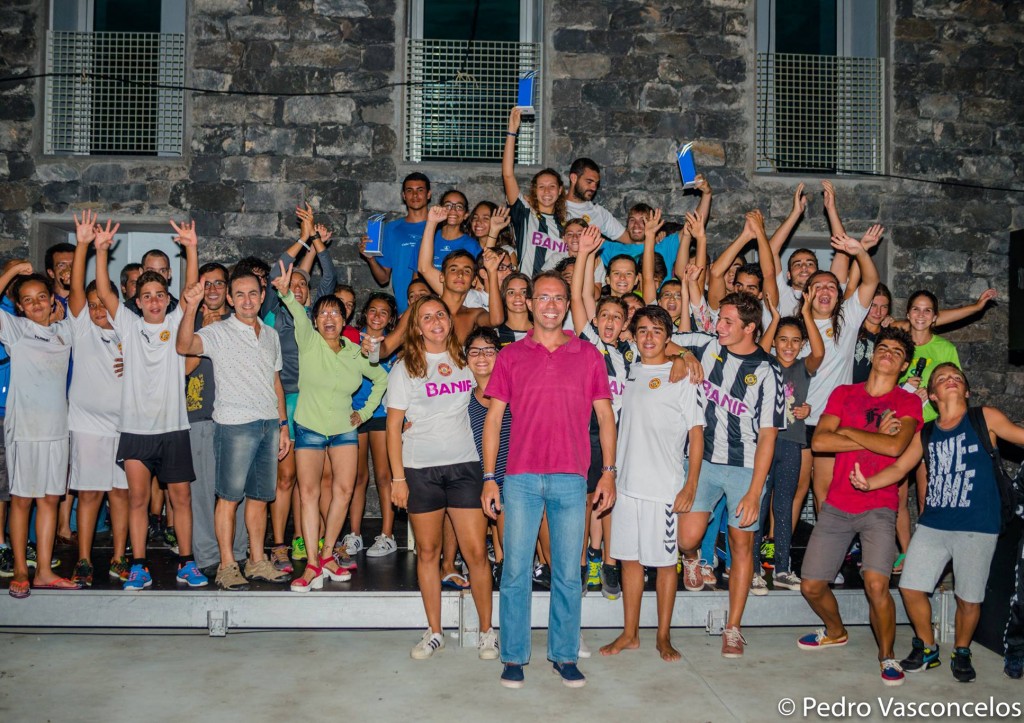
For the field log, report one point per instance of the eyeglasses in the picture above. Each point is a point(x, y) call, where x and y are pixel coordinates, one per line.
point(506, 267)
point(215, 284)
point(672, 295)
point(546, 298)
point(485, 351)
point(455, 206)
point(329, 312)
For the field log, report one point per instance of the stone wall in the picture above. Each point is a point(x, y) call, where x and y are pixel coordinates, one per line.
point(625, 82)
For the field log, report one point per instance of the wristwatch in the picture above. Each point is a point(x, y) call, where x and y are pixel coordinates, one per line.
point(613, 469)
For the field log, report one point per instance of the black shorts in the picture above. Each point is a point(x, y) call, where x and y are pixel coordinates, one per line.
point(810, 433)
point(168, 456)
point(448, 485)
point(373, 424)
point(596, 463)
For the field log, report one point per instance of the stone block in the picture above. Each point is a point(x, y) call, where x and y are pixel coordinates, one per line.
point(341, 8)
point(203, 28)
point(320, 109)
point(232, 109)
point(379, 58)
point(104, 173)
point(659, 96)
point(380, 196)
point(654, 150)
point(249, 224)
point(317, 54)
point(252, 168)
point(59, 172)
point(210, 79)
point(218, 56)
point(344, 141)
point(581, 66)
point(17, 107)
point(18, 196)
point(309, 169)
point(283, 197)
point(255, 27)
point(261, 140)
point(223, 7)
point(632, 18)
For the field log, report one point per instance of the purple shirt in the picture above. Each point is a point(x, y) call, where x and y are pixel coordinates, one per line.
point(551, 396)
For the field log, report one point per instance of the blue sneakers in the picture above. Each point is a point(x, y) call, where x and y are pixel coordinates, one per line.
point(1013, 667)
point(571, 675)
point(138, 579)
point(921, 657)
point(512, 676)
point(892, 672)
point(190, 575)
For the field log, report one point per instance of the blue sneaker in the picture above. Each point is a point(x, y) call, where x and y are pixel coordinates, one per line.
point(571, 675)
point(1013, 667)
point(892, 672)
point(138, 579)
point(921, 657)
point(512, 676)
point(190, 575)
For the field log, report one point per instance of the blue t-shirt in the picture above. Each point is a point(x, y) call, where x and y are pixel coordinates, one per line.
point(401, 246)
point(962, 492)
point(5, 360)
point(443, 247)
point(668, 247)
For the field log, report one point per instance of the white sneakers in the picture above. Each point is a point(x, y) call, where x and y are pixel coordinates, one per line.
point(352, 543)
point(429, 644)
point(487, 645)
point(383, 545)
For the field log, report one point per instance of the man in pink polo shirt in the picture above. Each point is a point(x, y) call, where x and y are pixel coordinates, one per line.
point(551, 381)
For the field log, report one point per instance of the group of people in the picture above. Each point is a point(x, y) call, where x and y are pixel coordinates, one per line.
point(595, 401)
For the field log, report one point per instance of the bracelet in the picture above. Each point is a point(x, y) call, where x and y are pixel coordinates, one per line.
point(398, 479)
point(513, 135)
point(303, 244)
point(493, 237)
point(284, 423)
point(613, 469)
point(488, 476)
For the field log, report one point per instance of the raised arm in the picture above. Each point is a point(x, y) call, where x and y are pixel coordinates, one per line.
point(1000, 425)
point(769, 285)
point(188, 343)
point(494, 314)
point(508, 157)
point(767, 340)
point(500, 219)
point(716, 282)
point(425, 260)
point(107, 296)
point(328, 274)
point(840, 263)
point(307, 233)
point(949, 316)
point(813, 360)
point(651, 227)
point(85, 234)
point(380, 274)
point(868, 271)
point(582, 301)
point(785, 229)
point(186, 237)
point(701, 185)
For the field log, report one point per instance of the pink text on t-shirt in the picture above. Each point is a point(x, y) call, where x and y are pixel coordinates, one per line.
point(722, 399)
point(545, 241)
point(437, 390)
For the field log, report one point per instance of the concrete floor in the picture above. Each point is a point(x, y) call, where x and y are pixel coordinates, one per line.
point(86, 675)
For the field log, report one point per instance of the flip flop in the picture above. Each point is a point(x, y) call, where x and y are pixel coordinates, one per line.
point(449, 581)
point(19, 589)
point(897, 567)
point(61, 583)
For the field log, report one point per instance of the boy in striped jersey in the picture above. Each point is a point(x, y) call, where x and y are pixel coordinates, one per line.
point(744, 410)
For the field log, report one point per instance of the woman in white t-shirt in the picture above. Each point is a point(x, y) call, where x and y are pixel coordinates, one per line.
point(94, 410)
point(435, 465)
point(36, 423)
point(838, 322)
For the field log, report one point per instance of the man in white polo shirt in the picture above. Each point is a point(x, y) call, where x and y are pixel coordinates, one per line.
point(251, 432)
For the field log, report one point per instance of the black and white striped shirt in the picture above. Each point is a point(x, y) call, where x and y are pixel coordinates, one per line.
point(743, 393)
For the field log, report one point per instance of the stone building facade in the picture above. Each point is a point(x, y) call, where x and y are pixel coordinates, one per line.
point(624, 82)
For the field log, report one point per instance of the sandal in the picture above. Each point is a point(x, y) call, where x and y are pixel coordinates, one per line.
point(19, 589)
point(455, 581)
point(897, 567)
point(61, 583)
point(339, 575)
point(69, 541)
point(301, 584)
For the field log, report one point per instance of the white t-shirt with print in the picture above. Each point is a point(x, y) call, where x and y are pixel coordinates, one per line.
point(436, 406)
point(37, 405)
point(153, 395)
point(837, 366)
point(595, 214)
point(94, 400)
point(244, 366)
point(653, 431)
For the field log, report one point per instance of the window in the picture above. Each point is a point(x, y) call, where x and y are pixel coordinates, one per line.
point(820, 83)
point(465, 119)
point(111, 51)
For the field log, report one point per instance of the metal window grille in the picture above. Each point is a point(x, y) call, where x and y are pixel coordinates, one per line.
point(465, 119)
point(103, 106)
point(820, 113)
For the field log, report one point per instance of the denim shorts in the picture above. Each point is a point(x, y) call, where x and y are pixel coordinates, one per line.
point(306, 438)
point(247, 460)
point(290, 402)
point(717, 480)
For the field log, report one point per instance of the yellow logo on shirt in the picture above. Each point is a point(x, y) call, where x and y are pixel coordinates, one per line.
point(750, 380)
point(629, 356)
point(829, 332)
point(165, 335)
point(444, 370)
point(654, 383)
point(586, 218)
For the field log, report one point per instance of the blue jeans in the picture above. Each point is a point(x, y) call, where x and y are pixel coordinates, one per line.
point(247, 460)
point(527, 496)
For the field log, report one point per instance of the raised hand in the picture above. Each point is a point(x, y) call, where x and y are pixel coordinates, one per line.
point(186, 233)
point(499, 220)
point(492, 260)
point(653, 224)
point(829, 193)
point(323, 232)
point(872, 237)
point(986, 296)
point(23, 269)
point(590, 240)
point(692, 272)
point(437, 214)
point(695, 225)
point(847, 244)
point(84, 226)
point(193, 296)
point(754, 224)
point(283, 283)
point(305, 216)
point(700, 183)
point(363, 240)
point(105, 235)
point(515, 119)
point(799, 199)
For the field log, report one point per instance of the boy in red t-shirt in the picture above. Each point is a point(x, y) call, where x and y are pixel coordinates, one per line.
point(869, 424)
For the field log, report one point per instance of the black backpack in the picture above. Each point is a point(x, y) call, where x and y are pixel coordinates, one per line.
point(1011, 496)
